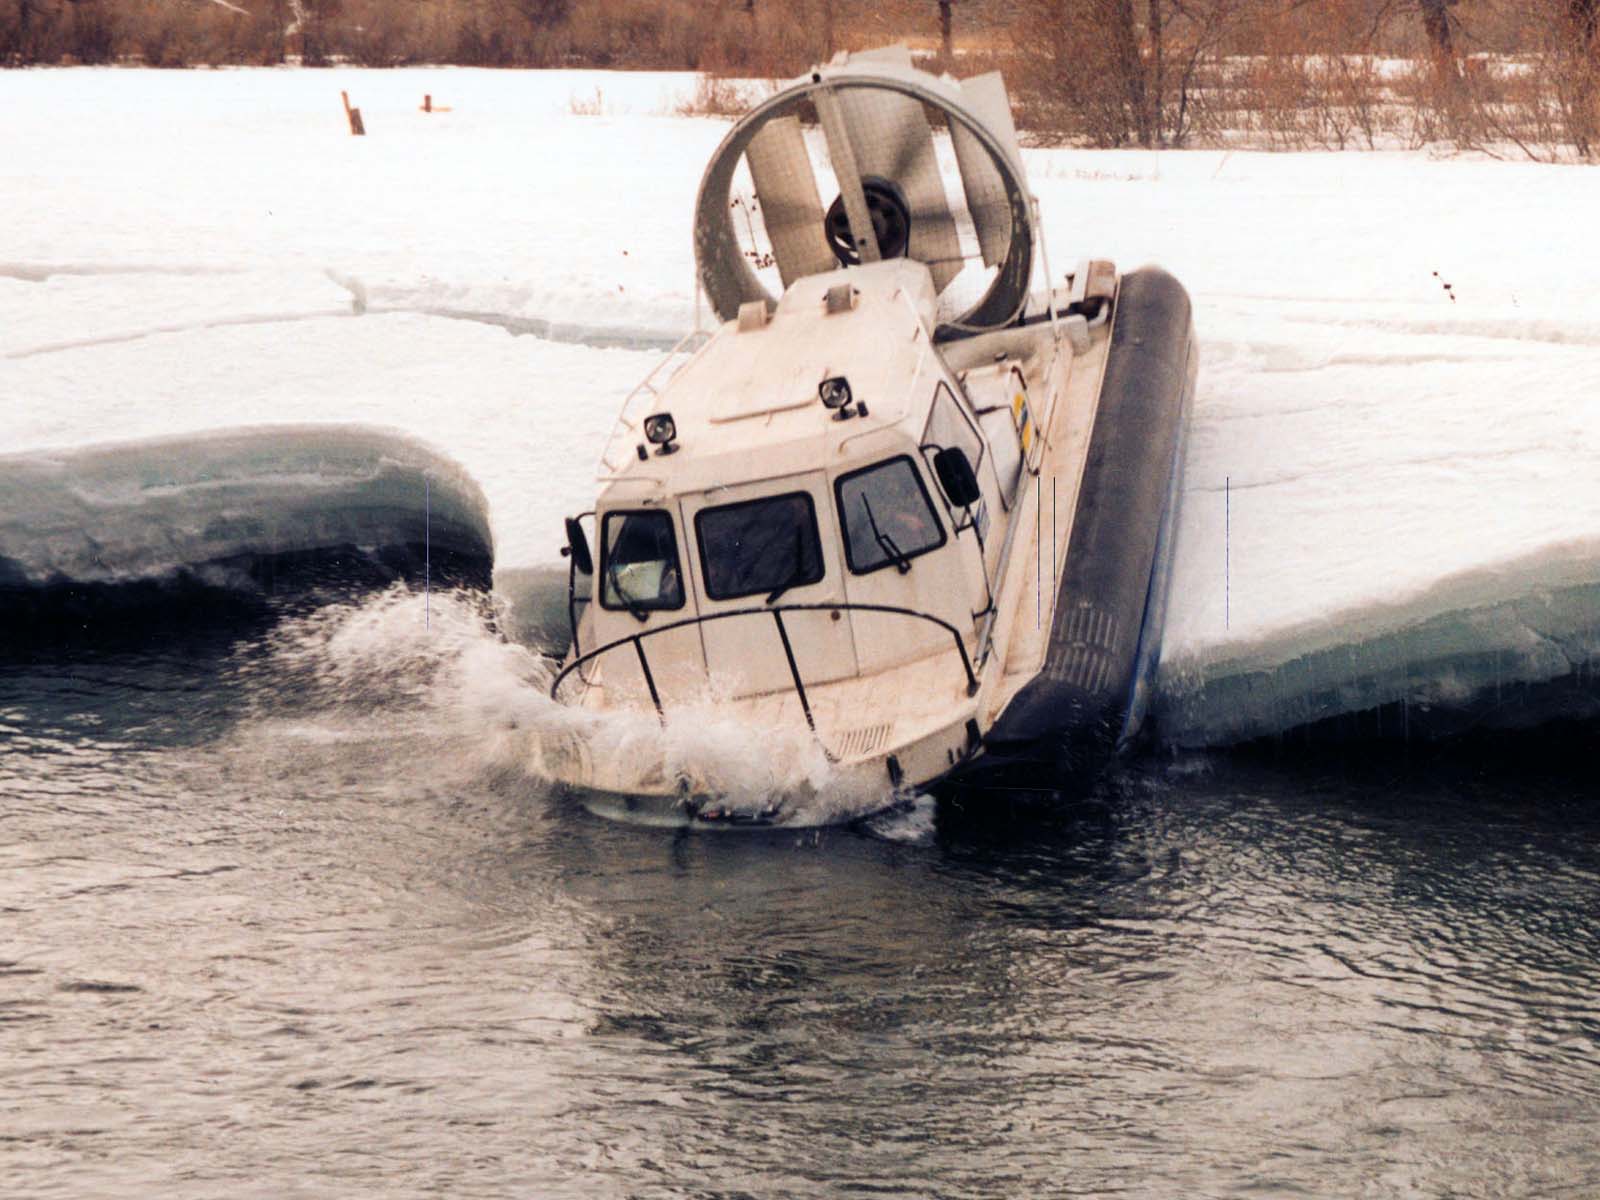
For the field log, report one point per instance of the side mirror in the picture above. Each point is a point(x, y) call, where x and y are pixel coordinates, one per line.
point(578, 546)
point(956, 477)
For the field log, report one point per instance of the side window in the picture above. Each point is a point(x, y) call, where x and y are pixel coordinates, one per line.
point(639, 562)
point(949, 426)
point(755, 546)
point(886, 515)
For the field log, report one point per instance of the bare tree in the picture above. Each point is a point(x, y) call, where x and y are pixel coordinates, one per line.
point(1436, 24)
point(1583, 37)
point(19, 47)
point(1118, 24)
point(544, 14)
point(1585, 15)
point(1153, 27)
point(1118, 72)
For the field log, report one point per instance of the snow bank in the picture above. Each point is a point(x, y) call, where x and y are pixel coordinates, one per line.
point(1503, 646)
point(223, 508)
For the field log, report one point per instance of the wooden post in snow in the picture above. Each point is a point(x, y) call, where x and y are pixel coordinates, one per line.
point(353, 115)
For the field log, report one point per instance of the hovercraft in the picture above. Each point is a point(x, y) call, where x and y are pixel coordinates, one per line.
point(899, 497)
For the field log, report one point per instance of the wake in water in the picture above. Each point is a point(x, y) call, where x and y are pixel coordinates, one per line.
point(427, 685)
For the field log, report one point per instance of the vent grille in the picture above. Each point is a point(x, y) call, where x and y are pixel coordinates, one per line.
point(865, 740)
point(1085, 667)
point(1087, 625)
point(1086, 647)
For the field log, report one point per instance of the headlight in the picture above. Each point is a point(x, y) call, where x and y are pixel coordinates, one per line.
point(834, 392)
point(659, 430)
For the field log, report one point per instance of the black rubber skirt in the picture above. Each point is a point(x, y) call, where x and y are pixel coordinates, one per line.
point(1105, 636)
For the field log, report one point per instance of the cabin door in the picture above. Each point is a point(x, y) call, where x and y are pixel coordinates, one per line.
point(766, 546)
point(898, 554)
point(639, 592)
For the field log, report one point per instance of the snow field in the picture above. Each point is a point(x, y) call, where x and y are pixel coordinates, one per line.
point(1371, 451)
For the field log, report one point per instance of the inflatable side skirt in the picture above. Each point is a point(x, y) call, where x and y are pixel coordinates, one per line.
point(1113, 582)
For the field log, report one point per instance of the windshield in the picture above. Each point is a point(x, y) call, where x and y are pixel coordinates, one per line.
point(639, 562)
point(887, 516)
point(767, 545)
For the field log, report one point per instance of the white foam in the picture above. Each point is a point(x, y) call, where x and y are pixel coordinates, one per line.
point(408, 666)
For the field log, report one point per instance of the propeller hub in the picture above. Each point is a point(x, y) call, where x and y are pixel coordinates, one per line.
point(891, 222)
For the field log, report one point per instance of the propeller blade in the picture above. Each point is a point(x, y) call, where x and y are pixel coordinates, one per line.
point(786, 189)
point(890, 137)
point(847, 172)
point(985, 97)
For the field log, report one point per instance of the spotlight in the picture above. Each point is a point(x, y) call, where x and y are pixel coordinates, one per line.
point(659, 430)
point(835, 394)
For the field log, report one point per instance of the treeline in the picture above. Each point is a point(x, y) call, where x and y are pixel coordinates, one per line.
point(1517, 76)
point(760, 37)
point(1504, 76)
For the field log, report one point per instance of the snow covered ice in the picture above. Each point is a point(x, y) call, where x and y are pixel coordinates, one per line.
point(217, 502)
point(1393, 490)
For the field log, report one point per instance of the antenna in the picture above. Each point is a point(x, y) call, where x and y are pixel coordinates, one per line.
point(427, 553)
point(1049, 279)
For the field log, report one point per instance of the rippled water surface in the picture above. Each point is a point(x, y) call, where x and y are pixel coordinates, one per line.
point(271, 926)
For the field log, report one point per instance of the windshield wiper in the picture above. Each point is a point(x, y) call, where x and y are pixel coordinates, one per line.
point(794, 574)
point(885, 542)
point(629, 602)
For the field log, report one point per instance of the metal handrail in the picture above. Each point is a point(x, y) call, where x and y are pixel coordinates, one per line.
point(687, 347)
point(776, 611)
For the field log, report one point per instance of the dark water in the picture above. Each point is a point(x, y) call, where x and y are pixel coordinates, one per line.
point(271, 927)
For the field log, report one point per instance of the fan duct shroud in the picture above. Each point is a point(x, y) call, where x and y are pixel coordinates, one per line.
point(849, 154)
